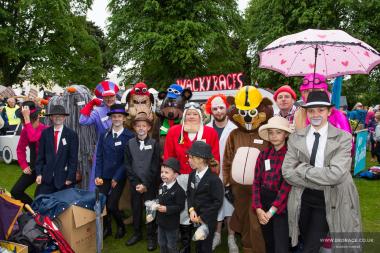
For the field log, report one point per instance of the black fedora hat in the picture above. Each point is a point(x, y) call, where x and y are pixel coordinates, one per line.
point(117, 108)
point(200, 149)
point(317, 99)
point(33, 108)
point(57, 110)
point(172, 163)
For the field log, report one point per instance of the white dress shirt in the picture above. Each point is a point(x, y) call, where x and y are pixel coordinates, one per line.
point(117, 133)
point(59, 135)
point(170, 184)
point(320, 156)
point(202, 173)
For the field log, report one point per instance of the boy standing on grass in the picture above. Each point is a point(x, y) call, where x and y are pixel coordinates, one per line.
point(171, 198)
point(205, 193)
point(142, 161)
point(110, 173)
point(270, 190)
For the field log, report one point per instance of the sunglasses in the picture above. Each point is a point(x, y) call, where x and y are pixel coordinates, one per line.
point(192, 105)
point(171, 90)
point(316, 81)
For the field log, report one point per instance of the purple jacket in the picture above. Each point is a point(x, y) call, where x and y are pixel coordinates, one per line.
point(98, 117)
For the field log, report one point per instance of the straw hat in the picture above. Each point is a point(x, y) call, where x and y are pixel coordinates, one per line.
point(276, 122)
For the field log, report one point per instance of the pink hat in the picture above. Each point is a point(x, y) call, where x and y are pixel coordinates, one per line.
point(285, 88)
point(309, 82)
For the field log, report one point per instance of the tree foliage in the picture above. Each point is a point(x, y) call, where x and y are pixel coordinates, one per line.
point(173, 39)
point(48, 41)
point(269, 20)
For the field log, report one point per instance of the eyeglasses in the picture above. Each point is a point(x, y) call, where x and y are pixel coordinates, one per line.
point(171, 90)
point(316, 81)
point(192, 104)
point(138, 90)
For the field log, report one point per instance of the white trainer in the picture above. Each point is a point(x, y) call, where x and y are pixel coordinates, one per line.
point(216, 241)
point(232, 247)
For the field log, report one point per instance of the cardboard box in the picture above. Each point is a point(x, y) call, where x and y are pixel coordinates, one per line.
point(79, 228)
point(20, 248)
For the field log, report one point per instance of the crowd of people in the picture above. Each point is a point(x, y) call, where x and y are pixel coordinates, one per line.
point(266, 177)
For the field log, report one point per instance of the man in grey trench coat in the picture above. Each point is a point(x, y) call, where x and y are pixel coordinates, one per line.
point(323, 199)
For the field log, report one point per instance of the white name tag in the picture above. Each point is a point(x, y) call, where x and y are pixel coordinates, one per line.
point(64, 141)
point(104, 118)
point(267, 165)
point(148, 147)
point(258, 141)
point(118, 143)
point(192, 185)
point(162, 128)
point(81, 103)
point(160, 192)
point(66, 168)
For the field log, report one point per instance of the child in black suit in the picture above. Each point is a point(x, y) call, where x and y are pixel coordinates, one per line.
point(205, 193)
point(171, 198)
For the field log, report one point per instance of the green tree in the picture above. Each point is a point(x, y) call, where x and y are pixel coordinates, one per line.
point(173, 39)
point(48, 41)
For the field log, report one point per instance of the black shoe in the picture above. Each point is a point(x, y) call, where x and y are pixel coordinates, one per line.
point(120, 232)
point(134, 239)
point(152, 245)
point(107, 231)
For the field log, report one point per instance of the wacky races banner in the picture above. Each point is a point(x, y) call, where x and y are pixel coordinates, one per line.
point(232, 81)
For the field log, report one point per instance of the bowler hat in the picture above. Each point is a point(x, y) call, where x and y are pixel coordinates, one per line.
point(172, 163)
point(57, 110)
point(34, 110)
point(317, 99)
point(200, 149)
point(117, 108)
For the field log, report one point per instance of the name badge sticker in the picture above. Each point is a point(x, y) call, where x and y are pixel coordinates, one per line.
point(160, 192)
point(258, 141)
point(81, 103)
point(267, 165)
point(148, 147)
point(104, 118)
point(192, 185)
point(118, 143)
point(64, 141)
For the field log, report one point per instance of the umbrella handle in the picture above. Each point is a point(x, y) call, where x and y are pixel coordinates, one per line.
point(27, 207)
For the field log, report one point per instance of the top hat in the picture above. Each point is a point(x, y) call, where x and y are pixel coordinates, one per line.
point(172, 163)
point(34, 110)
point(317, 99)
point(57, 110)
point(276, 122)
point(200, 149)
point(142, 116)
point(117, 108)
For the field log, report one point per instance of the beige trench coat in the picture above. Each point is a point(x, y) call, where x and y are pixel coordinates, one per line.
point(341, 196)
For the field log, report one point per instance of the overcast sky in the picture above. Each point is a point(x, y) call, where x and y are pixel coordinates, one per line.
point(99, 12)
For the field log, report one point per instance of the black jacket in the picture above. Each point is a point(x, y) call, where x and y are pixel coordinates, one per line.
point(207, 198)
point(57, 168)
point(174, 200)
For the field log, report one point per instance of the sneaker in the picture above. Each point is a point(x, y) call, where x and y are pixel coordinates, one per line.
point(216, 241)
point(232, 247)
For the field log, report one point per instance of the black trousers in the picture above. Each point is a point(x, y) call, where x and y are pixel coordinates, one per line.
point(205, 246)
point(377, 151)
point(113, 196)
point(313, 227)
point(19, 188)
point(138, 207)
point(276, 231)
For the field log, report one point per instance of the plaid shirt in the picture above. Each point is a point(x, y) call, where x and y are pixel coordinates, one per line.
point(271, 180)
point(290, 115)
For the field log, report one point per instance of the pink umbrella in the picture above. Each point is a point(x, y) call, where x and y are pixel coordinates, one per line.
point(329, 52)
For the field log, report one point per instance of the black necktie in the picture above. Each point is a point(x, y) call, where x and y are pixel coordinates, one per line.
point(164, 189)
point(315, 148)
point(115, 136)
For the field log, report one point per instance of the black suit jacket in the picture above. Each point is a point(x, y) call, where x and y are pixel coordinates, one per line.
point(174, 200)
point(56, 168)
point(207, 198)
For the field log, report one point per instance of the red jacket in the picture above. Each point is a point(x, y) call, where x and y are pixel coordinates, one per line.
point(172, 147)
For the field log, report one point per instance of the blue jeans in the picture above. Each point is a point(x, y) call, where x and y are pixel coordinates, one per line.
point(167, 239)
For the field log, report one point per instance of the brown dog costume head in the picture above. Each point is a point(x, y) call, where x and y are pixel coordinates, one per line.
point(249, 109)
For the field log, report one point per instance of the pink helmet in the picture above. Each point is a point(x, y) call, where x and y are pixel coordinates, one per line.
point(309, 82)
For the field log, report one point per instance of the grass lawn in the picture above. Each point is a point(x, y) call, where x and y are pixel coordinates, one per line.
point(368, 192)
